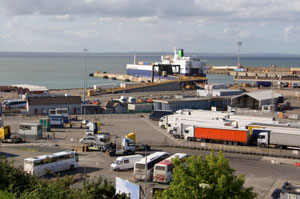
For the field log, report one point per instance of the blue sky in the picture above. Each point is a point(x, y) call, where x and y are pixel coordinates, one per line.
point(204, 26)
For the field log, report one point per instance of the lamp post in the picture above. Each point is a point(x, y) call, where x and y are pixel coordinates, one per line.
point(272, 85)
point(239, 53)
point(85, 50)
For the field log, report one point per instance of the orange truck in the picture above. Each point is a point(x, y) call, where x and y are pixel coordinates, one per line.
point(227, 135)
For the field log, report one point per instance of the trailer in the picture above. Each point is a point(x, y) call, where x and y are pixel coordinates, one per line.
point(182, 123)
point(279, 137)
point(226, 135)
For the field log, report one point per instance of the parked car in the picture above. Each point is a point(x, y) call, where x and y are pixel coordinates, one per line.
point(88, 140)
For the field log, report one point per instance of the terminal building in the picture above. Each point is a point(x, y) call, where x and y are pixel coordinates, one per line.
point(42, 105)
point(256, 100)
point(204, 103)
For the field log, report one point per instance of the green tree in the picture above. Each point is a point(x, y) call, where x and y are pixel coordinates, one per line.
point(15, 183)
point(14, 180)
point(211, 177)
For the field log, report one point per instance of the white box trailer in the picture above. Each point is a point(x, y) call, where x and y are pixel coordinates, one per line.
point(140, 107)
point(30, 131)
point(170, 120)
point(280, 137)
point(105, 86)
point(183, 123)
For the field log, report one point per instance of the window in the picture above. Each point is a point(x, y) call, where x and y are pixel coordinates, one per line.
point(25, 127)
point(126, 161)
point(160, 168)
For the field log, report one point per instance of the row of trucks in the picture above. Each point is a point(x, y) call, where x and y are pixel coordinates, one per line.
point(95, 139)
point(208, 126)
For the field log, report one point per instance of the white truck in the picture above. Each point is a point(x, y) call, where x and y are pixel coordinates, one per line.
point(128, 147)
point(125, 162)
point(279, 137)
point(168, 121)
point(183, 123)
point(101, 142)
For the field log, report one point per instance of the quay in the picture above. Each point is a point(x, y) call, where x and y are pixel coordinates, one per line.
point(127, 78)
point(145, 84)
point(258, 73)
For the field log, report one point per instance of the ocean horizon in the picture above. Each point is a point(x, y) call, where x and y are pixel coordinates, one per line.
point(66, 70)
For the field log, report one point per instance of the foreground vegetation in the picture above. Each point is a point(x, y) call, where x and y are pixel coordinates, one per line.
point(15, 183)
point(200, 178)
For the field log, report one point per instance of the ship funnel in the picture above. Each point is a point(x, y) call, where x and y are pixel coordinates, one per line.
point(180, 53)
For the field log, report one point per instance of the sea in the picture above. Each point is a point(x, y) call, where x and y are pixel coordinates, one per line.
point(67, 70)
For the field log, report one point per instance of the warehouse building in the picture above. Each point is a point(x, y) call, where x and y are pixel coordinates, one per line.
point(41, 105)
point(255, 100)
point(204, 103)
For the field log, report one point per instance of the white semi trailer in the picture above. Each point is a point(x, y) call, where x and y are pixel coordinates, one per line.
point(279, 137)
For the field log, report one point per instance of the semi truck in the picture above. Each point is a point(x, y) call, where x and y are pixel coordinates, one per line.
point(279, 137)
point(99, 142)
point(224, 135)
point(129, 146)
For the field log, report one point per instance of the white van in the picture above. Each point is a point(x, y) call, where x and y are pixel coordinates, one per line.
point(125, 162)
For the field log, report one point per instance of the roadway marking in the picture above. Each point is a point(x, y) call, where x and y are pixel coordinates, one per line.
point(164, 132)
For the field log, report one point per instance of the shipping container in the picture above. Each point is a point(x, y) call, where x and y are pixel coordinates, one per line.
point(140, 107)
point(218, 134)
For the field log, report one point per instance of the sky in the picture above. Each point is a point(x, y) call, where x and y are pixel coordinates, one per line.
point(202, 26)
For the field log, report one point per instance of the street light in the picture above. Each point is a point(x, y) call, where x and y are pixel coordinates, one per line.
point(239, 52)
point(85, 50)
point(272, 85)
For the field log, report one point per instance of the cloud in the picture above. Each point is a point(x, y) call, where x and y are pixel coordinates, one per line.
point(65, 17)
point(216, 10)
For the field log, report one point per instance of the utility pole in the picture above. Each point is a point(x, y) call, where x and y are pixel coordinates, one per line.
point(85, 50)
point(239, 52)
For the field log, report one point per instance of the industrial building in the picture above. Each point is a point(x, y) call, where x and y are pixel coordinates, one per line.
point(204, 103)
point(111, 106)
point(255, 100)
point(41, 105)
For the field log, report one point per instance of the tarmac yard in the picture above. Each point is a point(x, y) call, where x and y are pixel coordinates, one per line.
point(259, 171)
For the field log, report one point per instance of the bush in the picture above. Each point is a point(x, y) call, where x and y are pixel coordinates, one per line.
point(15, 183)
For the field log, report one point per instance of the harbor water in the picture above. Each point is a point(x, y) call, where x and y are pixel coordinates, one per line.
point(67, 70)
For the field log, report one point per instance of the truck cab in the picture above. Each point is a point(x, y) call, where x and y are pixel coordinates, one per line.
point(101, 142)
point(163, 122)
point(263, 139)
point(189, 133)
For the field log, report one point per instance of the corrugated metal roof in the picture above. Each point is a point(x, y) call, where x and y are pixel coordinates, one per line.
point(261, 95)
point(54, 100)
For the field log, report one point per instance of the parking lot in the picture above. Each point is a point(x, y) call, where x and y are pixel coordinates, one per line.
point(259, 171)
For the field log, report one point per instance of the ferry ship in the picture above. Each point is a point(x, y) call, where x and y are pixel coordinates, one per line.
point(170, 66)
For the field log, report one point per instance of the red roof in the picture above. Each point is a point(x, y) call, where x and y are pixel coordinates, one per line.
point(165, 162)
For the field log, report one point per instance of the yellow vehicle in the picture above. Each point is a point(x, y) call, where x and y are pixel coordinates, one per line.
point(5, 135)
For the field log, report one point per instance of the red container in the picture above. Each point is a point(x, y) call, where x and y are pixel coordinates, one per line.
point(232, 135)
